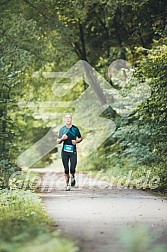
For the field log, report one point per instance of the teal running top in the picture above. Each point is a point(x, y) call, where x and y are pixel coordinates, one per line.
point(72, 134)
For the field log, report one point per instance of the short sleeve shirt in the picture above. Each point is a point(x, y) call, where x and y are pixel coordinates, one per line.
point(72, 134)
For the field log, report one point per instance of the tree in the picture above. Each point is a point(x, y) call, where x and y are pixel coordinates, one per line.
point(16, 34)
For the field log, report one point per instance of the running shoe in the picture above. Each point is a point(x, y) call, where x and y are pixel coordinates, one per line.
point(73, 181)
point(68, 188)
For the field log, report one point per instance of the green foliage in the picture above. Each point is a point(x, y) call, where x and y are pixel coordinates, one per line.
point(25, 180)
point(5, 173)
point(139, 239)
point(144, 138)
point(139, 143)
point(16, 36)
point(20, 210)
point(51, 37)
point(23, 220)
point(154, 67)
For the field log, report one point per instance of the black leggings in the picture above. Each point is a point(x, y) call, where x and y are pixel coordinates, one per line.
point(66, 157)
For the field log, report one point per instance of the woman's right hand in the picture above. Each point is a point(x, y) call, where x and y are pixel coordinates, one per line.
point(64, 137)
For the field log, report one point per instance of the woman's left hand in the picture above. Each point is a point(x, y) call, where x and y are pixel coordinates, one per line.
point(73, 142)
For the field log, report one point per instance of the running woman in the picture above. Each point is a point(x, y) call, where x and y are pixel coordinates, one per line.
point(70, 136)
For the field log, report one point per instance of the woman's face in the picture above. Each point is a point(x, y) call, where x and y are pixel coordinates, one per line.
point(68, 119)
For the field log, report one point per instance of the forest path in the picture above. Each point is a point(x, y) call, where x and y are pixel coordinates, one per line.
point(94, 214)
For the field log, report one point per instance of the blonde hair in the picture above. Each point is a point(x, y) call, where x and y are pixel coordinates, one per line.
point(68, 115)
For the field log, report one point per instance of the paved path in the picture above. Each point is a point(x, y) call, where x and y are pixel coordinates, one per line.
point(94, 214)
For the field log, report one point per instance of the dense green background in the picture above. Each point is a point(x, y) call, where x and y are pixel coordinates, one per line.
point(53, 35)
